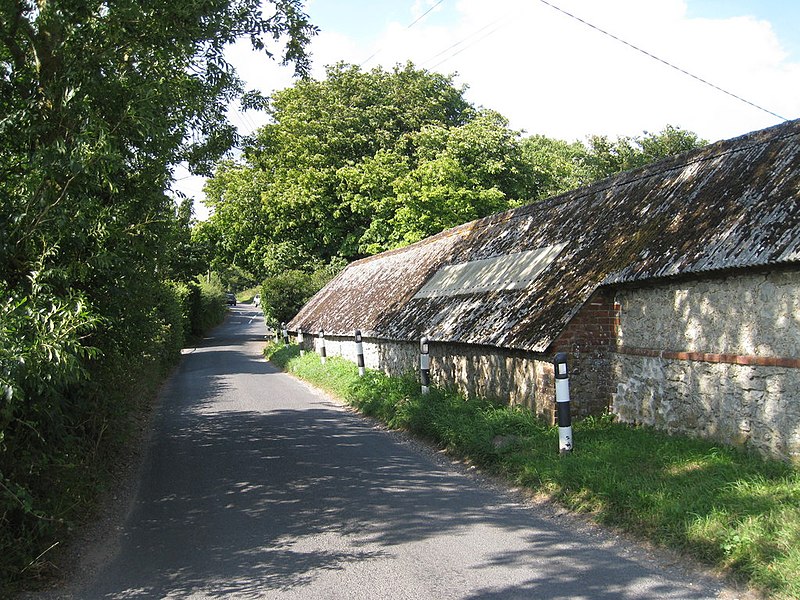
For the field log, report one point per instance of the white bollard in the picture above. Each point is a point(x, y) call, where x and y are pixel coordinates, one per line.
point(300, 340)
point(565, 441)
point(322, 353)
point(359, 353)
point(424, 365)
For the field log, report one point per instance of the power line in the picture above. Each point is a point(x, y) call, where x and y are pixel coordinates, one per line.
point(423, 15)
point(499, 24)
point(459, 42)
point(661, 60)
point(250, 125)
point(410, 25)
point(244, 123)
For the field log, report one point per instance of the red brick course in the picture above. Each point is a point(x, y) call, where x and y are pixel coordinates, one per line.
point(733, 359)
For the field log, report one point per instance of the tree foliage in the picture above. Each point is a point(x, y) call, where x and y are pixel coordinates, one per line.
point(360, 162)
point(451, 175)
point(559, 166)
point(286, 190)
point(605, 157)
point(556, 166)
point(98, 102)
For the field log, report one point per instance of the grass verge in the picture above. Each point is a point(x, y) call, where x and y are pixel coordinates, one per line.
point(724, 506)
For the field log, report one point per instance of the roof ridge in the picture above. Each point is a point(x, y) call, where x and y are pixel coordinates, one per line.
point(681, 161)
point(667, 164)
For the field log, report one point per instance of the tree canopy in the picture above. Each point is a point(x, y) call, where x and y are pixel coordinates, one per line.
point(606, 157)
point(364, 161)
point(99, 101)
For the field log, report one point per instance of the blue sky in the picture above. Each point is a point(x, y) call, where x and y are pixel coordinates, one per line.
point(783, 16)
point(549, 73)
point(365, 19)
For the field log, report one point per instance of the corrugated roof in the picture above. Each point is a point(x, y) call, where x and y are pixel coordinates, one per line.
point(732, 204)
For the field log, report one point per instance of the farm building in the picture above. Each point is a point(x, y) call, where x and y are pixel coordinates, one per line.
point(675, 289)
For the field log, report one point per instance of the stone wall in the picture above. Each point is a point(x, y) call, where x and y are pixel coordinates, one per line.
point(511, 377)
point(391, 357)
point(718, 358)
point(514, 377)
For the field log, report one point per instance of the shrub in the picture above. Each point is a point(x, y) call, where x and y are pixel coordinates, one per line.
point(202, 306)
point(211, 306)
point(69, 382)
point(282, 296)
point(41, 363)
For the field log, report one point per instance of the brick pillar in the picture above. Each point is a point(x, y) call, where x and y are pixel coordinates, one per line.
point(588, 339)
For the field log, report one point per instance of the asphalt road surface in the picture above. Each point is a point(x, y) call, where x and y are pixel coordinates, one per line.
point(256, 486)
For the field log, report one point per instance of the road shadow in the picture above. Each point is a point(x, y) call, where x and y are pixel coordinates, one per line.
point(236, 502)
point(253, 486)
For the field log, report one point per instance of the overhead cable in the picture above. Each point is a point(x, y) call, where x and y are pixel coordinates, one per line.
point(462, 41)
point(423, 15)
point(410, 25)
point(661, 60)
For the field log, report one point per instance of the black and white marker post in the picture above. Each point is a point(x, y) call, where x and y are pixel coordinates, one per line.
point(562, 404)
point(322, 354)
point(285, 335)
point(424, 365)
point(360, 353)
point(300, 340)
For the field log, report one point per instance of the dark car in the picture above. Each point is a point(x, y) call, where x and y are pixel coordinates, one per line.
point(231, 299)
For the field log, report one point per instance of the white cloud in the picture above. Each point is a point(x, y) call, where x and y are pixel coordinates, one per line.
point(552, 74)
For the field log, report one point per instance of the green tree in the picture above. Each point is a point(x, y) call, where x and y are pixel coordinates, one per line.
point(606, 157)
point(185, 258)
point(454, 175)
point(240, 229)
point(289, 176)
point(98, 103)
point(364, 161)
point(557, 166)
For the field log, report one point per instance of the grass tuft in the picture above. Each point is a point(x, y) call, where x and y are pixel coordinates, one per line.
point(727, 507)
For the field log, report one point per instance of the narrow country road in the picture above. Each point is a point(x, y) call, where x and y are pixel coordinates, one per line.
point(255, 486)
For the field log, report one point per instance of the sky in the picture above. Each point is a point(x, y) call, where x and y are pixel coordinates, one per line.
point(564, 75)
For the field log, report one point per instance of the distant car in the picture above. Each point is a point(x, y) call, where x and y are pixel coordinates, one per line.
point(231, 299)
